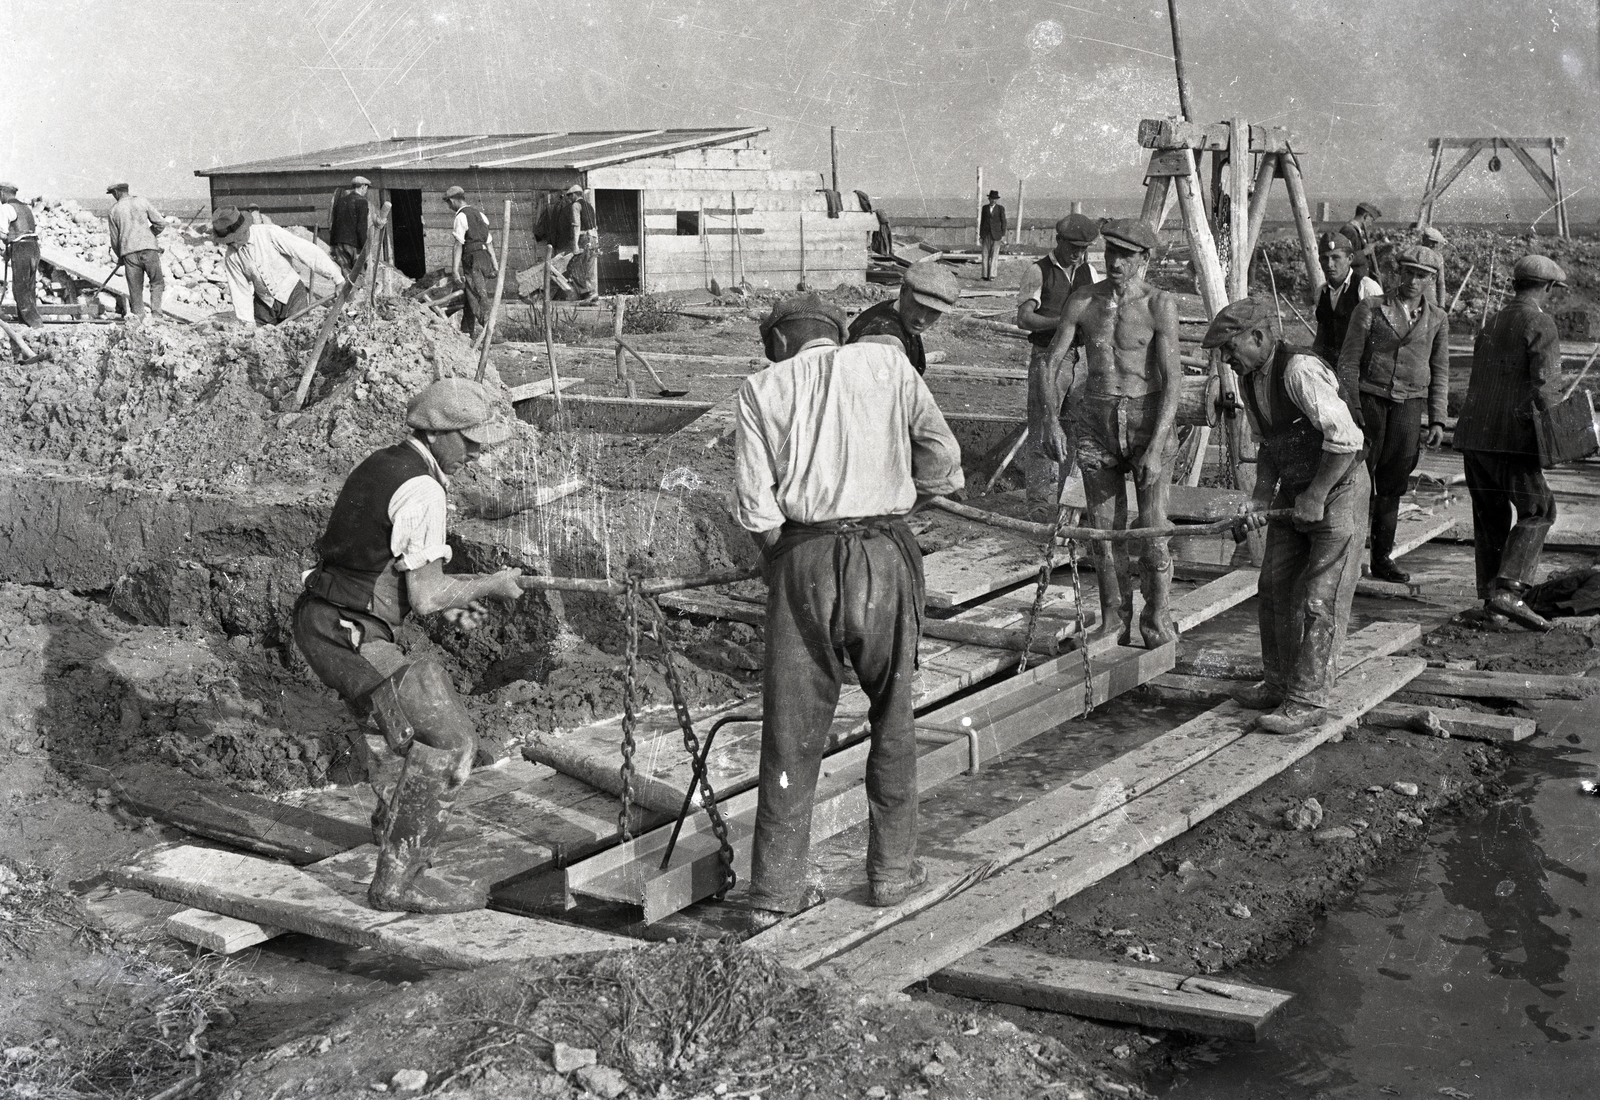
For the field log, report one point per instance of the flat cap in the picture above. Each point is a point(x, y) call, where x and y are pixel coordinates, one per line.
point(1542, 268)
point(8, 187)
point(1368, 208)
point(806, 307)
point(458, 405)
point(360, 181)
point(1433, 238)
point(229, 223)
point(454, 192)
point(1078, 229)
point(115, 187)
point(574, 190)
point(1244, 315)
point(1333, 242)
point(932, 284)
point(1414, 255)
point(1129, 233)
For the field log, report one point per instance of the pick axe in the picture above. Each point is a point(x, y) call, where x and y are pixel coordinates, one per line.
point(30, 356)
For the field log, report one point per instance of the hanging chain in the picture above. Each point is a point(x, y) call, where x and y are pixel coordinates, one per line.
point(1046, 568)
point(1083, 630)
point(630, 718)
point(691, 742)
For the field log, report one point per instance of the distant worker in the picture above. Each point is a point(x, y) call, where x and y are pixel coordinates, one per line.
point(1516, 371)
point(135, 225)
point(20, 233)
point(472, 261)
point(352, 215)
point(1046, 285)
point(1397, 355)
point(381, 558)
point(257, 216)
point(576, 241)
point(991, 233)
point(1359, 232)
point(1340, 296)
point(927, 291)
point(256, 262)
point(1432, 238)
point(835, 446)
point(1123, 420)
point(1309, 460)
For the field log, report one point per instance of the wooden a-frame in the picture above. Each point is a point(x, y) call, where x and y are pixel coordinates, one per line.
point(1519, 147)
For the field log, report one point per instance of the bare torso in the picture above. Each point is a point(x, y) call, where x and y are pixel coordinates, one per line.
point(1122, 355)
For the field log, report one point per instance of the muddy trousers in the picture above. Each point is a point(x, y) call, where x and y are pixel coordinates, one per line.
point(1040, 472)
point(1394, 443)
point(1308, 580)
point(137, 266)
point(1507, 554)
point(24, 260)
point(476, 275)
point(853, 597)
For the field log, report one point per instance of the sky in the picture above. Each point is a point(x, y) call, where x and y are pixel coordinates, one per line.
point(923, 92)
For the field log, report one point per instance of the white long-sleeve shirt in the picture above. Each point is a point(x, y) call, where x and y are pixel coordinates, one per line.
point(258, 267)
point(1314, 390)
point(839, 433)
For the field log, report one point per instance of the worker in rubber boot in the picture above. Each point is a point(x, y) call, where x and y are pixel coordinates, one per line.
point(1397, 354)
point(1046, 285)
point(1124, 417)
point(1309, 459)
point(835, 446)
point(1516, 370)
point(928, 290)
point(382, 557)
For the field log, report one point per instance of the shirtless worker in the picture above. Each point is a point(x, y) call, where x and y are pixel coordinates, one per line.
point(1123, 419)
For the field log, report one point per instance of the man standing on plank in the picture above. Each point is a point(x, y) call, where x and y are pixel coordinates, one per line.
point(1308, 459)
point(1123, 416)
point(1397, 354)
point(835, 446)
point(1516, 370)
point(134, 225)
point(382, 557)
point(927, 290)
point(991, 233)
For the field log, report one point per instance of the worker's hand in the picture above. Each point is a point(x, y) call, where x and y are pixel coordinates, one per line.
point(1254, 512)
point(1435, 435)
point(1146, 467)
point(1309, 509)
point(457, 274)
point(502, 585)
point(469, 618)
point(1054, 443)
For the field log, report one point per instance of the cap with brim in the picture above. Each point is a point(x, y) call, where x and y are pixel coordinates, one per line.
point(806, 307)
point(115, 187)
point(932, 284)
point(1433, 238)
point(361, 181)
point(1368, 208)
point(8, 187)
point(458, 405)
point(1129, 233)
point(1423, 259)
point(1078, 230)
point(1540, 268)
point(1244, 315)
point(454, 192)
point(1333, 242)
point(574, 190)
point(228, 223)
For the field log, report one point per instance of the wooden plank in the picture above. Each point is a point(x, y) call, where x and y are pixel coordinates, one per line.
point(1011, 974)
point(935, 938)
point(218, 933)
point(1220, 682)
point(1502, 685)
point(1468, 724)
point(273, 894)
point(543, 385)
point(977, 567)
point(96, 274)
point(1213, 598)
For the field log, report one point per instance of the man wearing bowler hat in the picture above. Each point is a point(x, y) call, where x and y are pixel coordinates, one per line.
point(927, 290)
point(262, 285)
point(991, 233)
point(351, 217)
point(134, 225)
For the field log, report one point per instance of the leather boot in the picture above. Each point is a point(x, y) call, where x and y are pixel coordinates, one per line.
point(1385, 518)
point(1518, 564)
point(408, 828)
point(1155, 584)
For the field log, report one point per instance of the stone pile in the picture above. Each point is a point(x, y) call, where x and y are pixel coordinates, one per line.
point(191, 260)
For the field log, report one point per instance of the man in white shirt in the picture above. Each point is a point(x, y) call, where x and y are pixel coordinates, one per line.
point(835, 446)
point(382, 557)
point(135, 226)
point(20, 236)
point(262, 284)
point(472, 260)
point(1341, 294)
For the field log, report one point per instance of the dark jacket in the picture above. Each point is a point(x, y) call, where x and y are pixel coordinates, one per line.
point(1396, 360)
point(883, 319)
point(350, 216)
point(992, 225)
point(557, 228)
point(1333, 319)
point(1516, 355)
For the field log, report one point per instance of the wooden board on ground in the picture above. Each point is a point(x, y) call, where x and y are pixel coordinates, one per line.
point(218, 933)
point(276, 895)
point(541, 386)
point(97, 274)
point(975, 567)
point(1011, 974)
point(1450, 722)
point(1478, 684)
point(938, 936)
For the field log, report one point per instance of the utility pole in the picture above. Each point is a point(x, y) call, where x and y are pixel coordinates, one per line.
point(833, 153)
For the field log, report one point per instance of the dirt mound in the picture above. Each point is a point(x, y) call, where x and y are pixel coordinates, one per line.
point(191, 261)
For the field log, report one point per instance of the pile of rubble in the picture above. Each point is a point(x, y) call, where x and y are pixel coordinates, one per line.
point(191, 260)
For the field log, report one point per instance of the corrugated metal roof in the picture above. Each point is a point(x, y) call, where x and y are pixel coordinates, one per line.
point(560, 150)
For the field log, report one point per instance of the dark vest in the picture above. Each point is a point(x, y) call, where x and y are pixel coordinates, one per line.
point(23, 225)
point(477, 231)
point(1291, 442)
point(1334, 321)
point(355, 558)
point(1055, 287)
point(883, 319)
point(350, 215)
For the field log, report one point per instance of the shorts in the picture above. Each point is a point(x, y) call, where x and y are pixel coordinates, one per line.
point(1113, 431)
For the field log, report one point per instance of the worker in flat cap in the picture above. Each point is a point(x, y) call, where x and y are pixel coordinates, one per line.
point(1516, 371)
point(1432, 238)
point(1396, 355)
point(472, 261)
point(1359, 231)
point(835, 446)
point(1123, 409)
point(991, 233)
point(927, 291)
point(351, 222)
point(259, 264)
point(1309, 460)
point(381, 558)
point(20, 233)
point(1340, 295)
point(135, 228)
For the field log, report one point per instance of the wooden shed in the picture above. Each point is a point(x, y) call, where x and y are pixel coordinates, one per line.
point(676, 208)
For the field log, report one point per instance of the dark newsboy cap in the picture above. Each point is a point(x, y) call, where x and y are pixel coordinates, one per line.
point(1244, 315)
point(1078, 229)
point(806, 307)
point(1130, 234)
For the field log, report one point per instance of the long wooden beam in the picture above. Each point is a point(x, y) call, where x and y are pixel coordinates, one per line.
point(1465, 142)
point(1432, 194)
point(1540, 176)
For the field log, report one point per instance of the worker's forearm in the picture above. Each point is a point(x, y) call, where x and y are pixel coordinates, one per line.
point(1330, 471)
point(1035, 322)
point(447, 590)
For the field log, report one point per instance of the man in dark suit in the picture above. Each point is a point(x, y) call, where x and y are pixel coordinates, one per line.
point(1358, 231)
point(348, 235)
point(991, 233)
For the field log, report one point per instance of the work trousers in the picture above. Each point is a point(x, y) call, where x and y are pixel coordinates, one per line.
point(1308, 580)
point(276, 312)
point(581, 270)
point(853, 597)
point(137, 266)
point(346, 255)
point(1040, 472)
point(476, 271)
point(24, 281)
point(1394, 441)
point(1499, 484)
point(990, 252)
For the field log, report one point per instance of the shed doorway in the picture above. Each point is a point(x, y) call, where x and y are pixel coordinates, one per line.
point(405, 216)
point(619, 217)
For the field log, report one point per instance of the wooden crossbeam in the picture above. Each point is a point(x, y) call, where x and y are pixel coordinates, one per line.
point(1465, 142)
point(1460, 166)
point(1540, 176)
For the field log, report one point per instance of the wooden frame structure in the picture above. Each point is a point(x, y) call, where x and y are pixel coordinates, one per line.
point(1521, 148)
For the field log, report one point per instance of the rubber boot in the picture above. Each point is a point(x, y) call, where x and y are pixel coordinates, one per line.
point(1385, 519)
point(1155, 584)
point(408, 828)
point(1517, 566)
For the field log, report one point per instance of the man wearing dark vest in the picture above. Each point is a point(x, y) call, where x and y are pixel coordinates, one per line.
point(1397, 355)
point(1516, 370)
point(21, 237)
point(1046, 286)
point(1308, 460)
point(991, 233)
point(927, 290)
point(1358, 231)
point(382, 557)
point(1340, 296)
point(351, 216)
point(472, 261)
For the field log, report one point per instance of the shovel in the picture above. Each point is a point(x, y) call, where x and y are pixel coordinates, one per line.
point(625, 346)
point(31, 356)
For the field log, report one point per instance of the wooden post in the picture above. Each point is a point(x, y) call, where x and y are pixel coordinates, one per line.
point(1020, 184)
point(1266, 171)
point(549, 338)
point(1157, 195)
point(1177, 61)
point(977, 226)
point(1239, 209)
point(381, 228)
point(1302, 222)
point(1561, 196)
point(833, 153)
point(499, 287)
point(738, 237)
point(1202, 247)
point(335, 307)
point(733, 250)
point(802, 285)
point(616, 337)
point(1425, 208)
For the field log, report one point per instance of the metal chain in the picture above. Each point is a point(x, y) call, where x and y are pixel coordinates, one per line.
point(630, 719)
point(1046, 568)
point(691, 742)
point(1083, 632)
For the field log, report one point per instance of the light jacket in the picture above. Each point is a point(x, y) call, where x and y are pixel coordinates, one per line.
point(1386, 355)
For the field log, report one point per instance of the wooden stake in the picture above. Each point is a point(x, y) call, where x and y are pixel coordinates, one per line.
point(499, 287)
point(549, 339)
point(977, 228)
point(833, 153)
point(1265, 171)
point(328, 322)
point(616, 336)
point(381, 227)
point(1238, 209)
point(1302, 222)
point(1020, 185)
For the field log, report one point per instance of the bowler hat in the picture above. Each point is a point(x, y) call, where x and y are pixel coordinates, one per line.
point(229, 223)
point(454, 192)
point(1541, 268)
point(1076, 229)
point(807, 307)
point(1245, 315)
point(994, 194)
point(932, 284)
point(459, 405)
point(1130, 234)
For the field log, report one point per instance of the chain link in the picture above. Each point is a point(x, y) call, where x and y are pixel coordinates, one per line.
point(1046, 569)
point(1083, 630)
point(630, 718)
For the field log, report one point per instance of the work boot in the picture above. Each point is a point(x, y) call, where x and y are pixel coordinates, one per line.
point(408, 828)
point(1385, 520)
point(885, 894)
point(1291, 717)
point(1508, 602)
point(1260, 696)
point(1155, 584)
